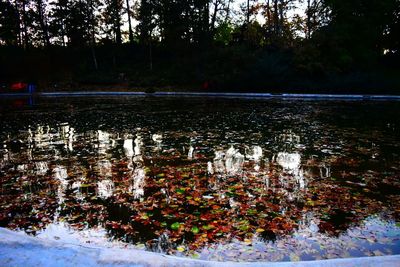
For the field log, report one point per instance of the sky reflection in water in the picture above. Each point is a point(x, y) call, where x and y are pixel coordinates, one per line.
point(224, 179)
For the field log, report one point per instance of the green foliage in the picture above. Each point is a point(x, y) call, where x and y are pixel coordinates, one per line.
point(223, 33)
point(357, 29)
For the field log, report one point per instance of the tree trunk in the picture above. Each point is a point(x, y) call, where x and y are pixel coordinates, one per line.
point(96, 66)
point(150, 55)
point(248, 12)
point(129, 22)
point(206, 16)
point(268, 14)
point(281, 19)
point(118, 35)
point(19, 41)
point(214, 15)
point(117, 23)
point(43, 24)
point(228, 11)
point(276, 18)
point(91, 29)
point(308, 26)
point(26, 40)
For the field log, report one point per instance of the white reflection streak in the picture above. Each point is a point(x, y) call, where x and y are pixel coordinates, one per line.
point(38, 135)
point(190, 153)
point(138, 145)
point(257, 154)
point(230, 162)
point(42, 138)
point(325, 171)
point(256, 157)
point(289, 138)
point(308, 225)
point(22, 167)
point(105, 188)
point(138, 174)
point(266, 181)
point(105, 168)
point(104, 141)
point(138, 179)
point(157, 138)
point(41, 167)
point(64, 127)
point(67, 135)
point(219, 165)
point(210, 169)
point(290, 162)
point(30, 144)
point(77, 188)
point(128, 147)
point(60, 174)
point(6, 154)
point(164, 191)
point(233, 161)
point(300, 179)
point(71, 139)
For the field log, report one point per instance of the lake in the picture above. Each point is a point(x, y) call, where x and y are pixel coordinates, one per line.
point(228, 179)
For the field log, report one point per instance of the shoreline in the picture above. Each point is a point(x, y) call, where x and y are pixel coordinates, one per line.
point(206, 94)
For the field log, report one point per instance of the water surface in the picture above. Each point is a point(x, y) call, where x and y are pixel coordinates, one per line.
point(211, 178)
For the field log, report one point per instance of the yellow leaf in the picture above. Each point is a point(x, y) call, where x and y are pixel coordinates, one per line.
point(294, 257)
point(259, 230)
point(180, 248)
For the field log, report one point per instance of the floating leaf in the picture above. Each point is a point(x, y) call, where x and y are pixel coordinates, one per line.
point(247, 241)
point(378, 253)
point(175, 226)
point(180, 249)
point(180, 190)
point(294, 257)
point(195, 255)
point(195, 230)
point(251, 211)
point(208, 227)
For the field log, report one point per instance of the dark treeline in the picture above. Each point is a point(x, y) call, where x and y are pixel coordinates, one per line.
point(254, 45)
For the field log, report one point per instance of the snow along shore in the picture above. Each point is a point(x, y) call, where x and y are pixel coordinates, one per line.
point(19, 249)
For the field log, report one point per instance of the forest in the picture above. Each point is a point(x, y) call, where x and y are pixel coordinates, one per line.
point(334, 46)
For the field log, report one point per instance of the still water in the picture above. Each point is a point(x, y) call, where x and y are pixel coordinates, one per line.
point(209, 178)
